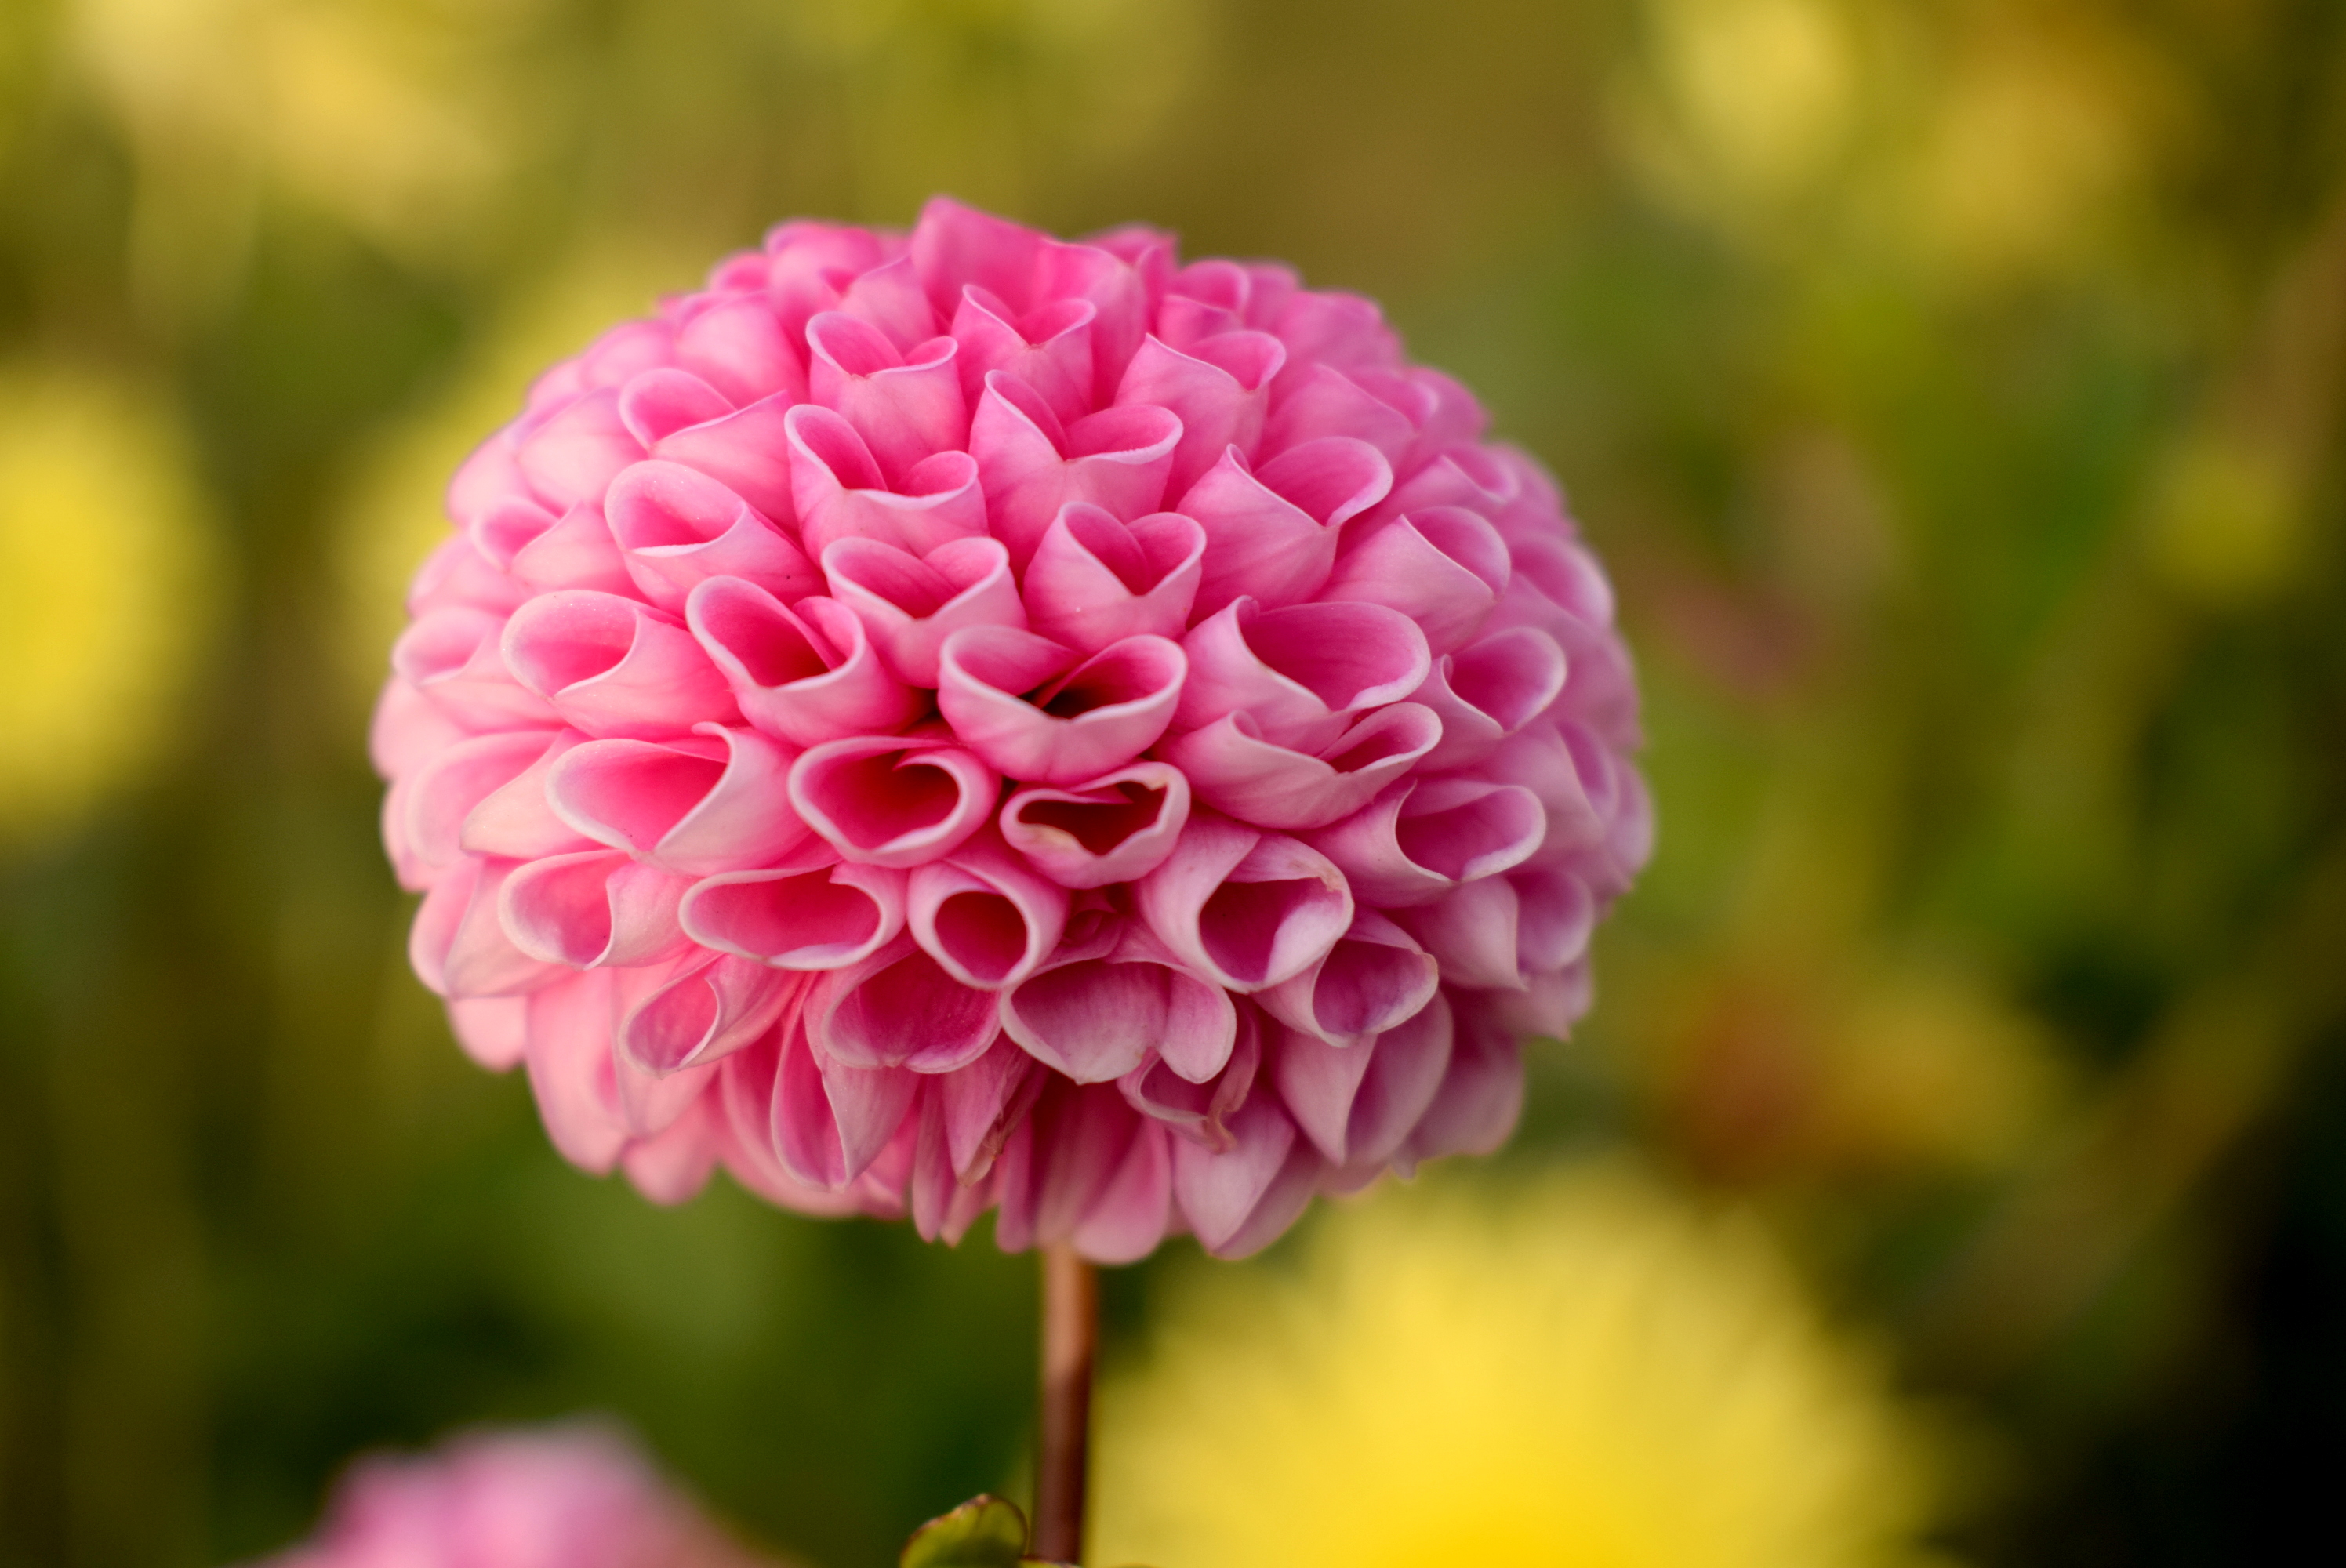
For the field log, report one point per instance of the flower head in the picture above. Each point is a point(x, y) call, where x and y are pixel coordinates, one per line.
point(1590, 1372)
point(579, 1496)
point(959, 721)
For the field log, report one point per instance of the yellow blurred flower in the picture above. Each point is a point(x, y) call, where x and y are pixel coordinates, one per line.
point(1592, 1372)
point(107, 586)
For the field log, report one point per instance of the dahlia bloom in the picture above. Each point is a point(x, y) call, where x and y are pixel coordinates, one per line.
point(579, 1496)
point(957, 720)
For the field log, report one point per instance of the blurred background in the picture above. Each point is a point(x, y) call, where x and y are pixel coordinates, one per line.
point(1952, 384)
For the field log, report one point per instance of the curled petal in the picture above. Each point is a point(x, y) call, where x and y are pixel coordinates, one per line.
point(984, 915)
point(1094, 1012)
point(1030, 466)
point(593, 909)
point(452, 658)
point(906, 406)
point(1095, 580)
point(738, 347)
point(1374, 978)
point(1113, 828)
point(798, 917)
point(1489, 691)
point(700, 804)
point(1556, 916)
point(458, 946)
point(955, 246)
point(407, 730)
point(842, 493)
point(672, 1165)
point(1422, 838)
point(807, 673)
point(1443, 568)
point(572, 1072)
point(1049, 348)
point(1266, 1176)
point(1130, 1217)
point(1272, 533)
point(1482, 1092)
point(461, 572)
point(1218, 389)
point(678, 527)
point(493, 1031)
point(1359, 1103)
point(707, 1012)
point(1114, 286)
point(1324, 402)
point(1473, 931)
point(831, 1120)
point(1580, 785)
point(572, 455)
point(982, 1102)
point(610, 665)
point(746, 451)
point(889, 298)
point(1199, 1112)
point(900, 1008)
point(576, 552)
point(438, 797)
point(892, 801)
point(909, 605)
point(1075, 720)
point(1235, 770)
point(515, 821)
point(662, 401)
point(1247, 910)
point(1085, 1169)
point(1300, 673)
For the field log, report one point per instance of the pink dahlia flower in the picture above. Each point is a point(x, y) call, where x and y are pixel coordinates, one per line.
point(561, 1497)
point(958, 721)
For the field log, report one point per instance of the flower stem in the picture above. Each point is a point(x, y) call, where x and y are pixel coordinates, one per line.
point(1070, 1343)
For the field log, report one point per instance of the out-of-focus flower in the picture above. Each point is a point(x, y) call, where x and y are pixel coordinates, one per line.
point(1591, 1371)
point(959, 719)
point(106, 579)
point(575, 1496)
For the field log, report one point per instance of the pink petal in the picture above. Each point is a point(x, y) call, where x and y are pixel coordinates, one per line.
point(1218, 389)
point(461, 574)
point(1375, 977)
point(1556, 916)
point(452, 658)
point(906, 407)
point(1247, 910)
point(662, 401)
point(807, 673)
point(458, 946)
point(889, 298)
point(747, 450)
point(707, 1011)
point(439, 796)
point(1425, 836)
point(1069, 1162)
point(515, 821)
point(1326, 401)
point(1443, 568)
point(570, 457)
point(1272, 533)
point(1482, 1092)
point(1113, 828)
point(982, 1102)
point(1049, 348)
point(739, 348)
point(1489, 691)
point(955, 246)
point(571, 1072)
point(899, 1008)
point(909, 605)
point(1235, 770)
point(1578, 783)
point(649, 1102)
point(678, 527)
point(610, 665)
point(592, 910)
point(1359, 1103)
point(1074, 723)
point(1095, 580)
point(1128, 1217)
point(1094, 1012)
point(671, 1167)
point(1117, 459)
point(831, 1121)
point(576, 552)
point(1473, 932)
point(822, 917)
point(1115, 288)
point(842, 493)
point(1199, 1112)
point(984, 915)
point(493, 1031)
point(892, 801)
point(943, 1207)
point(406, 730)
point(712, 802)
point(1219, 1192)
point(1300, 672)
point(748, 1089)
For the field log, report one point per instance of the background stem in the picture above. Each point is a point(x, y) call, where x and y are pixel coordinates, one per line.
point(1070, 1343)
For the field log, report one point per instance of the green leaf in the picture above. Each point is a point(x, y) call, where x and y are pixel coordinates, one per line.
point(984, 1532)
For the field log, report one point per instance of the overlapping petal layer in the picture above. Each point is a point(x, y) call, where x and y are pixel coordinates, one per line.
point(963, 720)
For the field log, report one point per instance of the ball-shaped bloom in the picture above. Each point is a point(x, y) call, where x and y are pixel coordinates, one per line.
point(957, 720)
point(577, 1496)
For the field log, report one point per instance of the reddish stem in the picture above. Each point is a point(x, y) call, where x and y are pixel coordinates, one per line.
point(1070, 1344)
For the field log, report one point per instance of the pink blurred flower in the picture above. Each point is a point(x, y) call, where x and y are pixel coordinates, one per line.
point(963, 720)
point(575, 1496)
